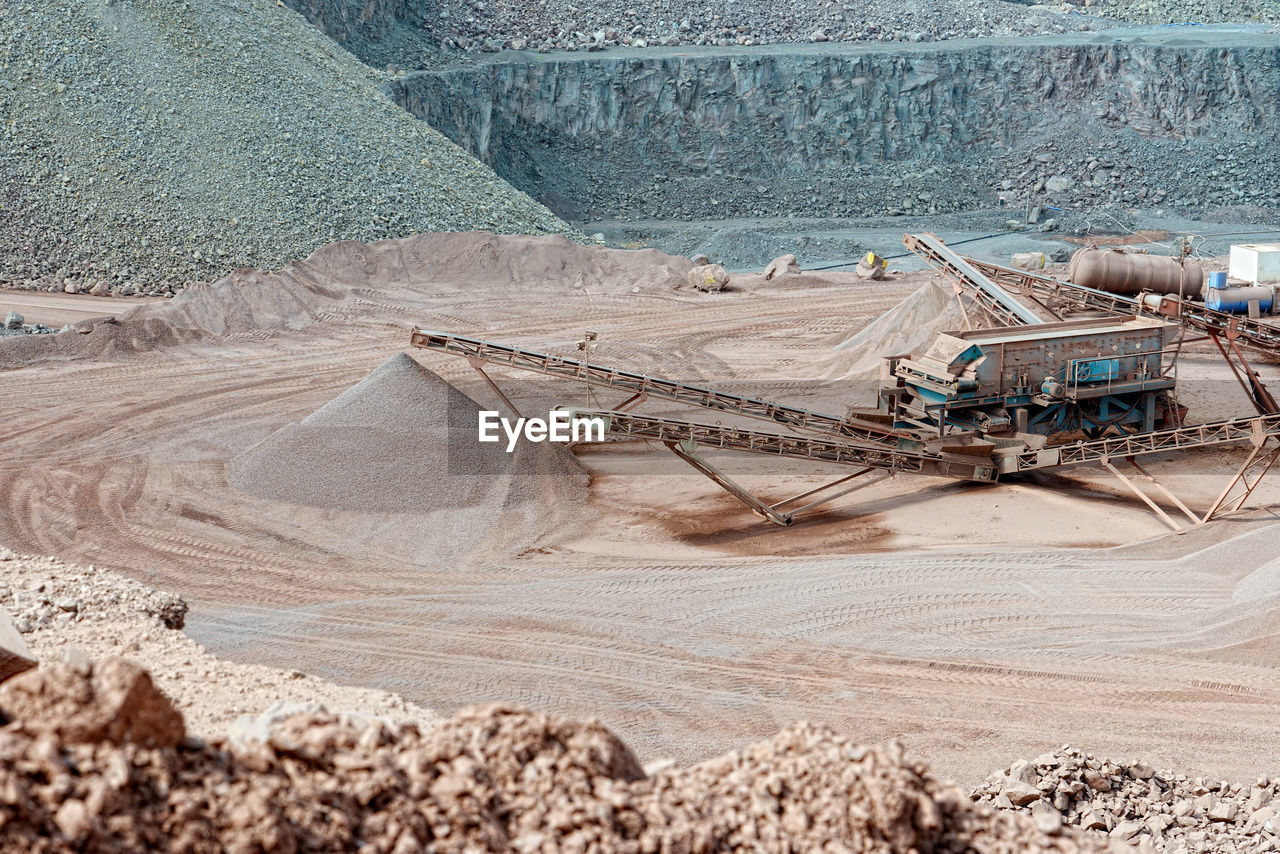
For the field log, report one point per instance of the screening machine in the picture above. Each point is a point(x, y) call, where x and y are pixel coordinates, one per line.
point(1053, 378)
point(1032, 393)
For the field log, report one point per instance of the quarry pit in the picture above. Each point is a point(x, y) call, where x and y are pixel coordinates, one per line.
point(225, 248)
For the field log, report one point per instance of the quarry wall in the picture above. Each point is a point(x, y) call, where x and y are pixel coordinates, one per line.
point(853, 130)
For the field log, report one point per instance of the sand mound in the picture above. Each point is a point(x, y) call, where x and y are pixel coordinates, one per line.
point(497, 778)
point(391, 281)
point(496, 264)
point(905, 328)
point(403, 440)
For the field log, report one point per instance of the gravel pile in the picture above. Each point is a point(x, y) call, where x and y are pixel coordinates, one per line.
point(15, 324)
point(69, 612)
point(908, 327)
point(43, 593)
point(403, 440)
point(1182, 11)
point(1137, 804)
point(492, 25)
point(77, 777)
point(147, 143)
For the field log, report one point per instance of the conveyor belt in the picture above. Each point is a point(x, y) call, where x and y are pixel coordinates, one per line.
point(1253, 333)
point(1256, 430)
point(657, 388)
point(991, 283)
point(999, 302)
point(831, 450)
point(716, 436)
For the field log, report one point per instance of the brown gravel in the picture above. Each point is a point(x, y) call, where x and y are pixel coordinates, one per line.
point(496, 778)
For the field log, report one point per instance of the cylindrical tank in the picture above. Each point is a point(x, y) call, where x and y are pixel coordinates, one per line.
point(1236, 300)
point(1123, 273)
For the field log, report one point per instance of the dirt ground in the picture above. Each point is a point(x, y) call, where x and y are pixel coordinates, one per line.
point(977, 623)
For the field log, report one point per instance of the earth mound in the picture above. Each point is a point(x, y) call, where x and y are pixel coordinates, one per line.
point(403, 440)
point(905, 328)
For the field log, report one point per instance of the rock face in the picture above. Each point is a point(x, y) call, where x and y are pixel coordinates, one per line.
point(112, 701)
point(829, 132)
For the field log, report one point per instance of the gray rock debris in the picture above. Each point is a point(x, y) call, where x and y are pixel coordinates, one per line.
point(1138, 805)
point(49, 592)
point(164, 142)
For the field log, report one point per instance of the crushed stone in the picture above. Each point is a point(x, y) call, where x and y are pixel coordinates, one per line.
point(114, 616)
point(1135, 803)
point(495, 778)
point(145, 144)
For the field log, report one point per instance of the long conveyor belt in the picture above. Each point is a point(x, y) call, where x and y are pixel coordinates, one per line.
point(653, 387)
point(716, 436)
point(819, 449)
point(999, 289)
point(1003, 305)
point(1247, 331)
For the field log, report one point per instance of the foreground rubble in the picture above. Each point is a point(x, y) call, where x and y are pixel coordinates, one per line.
point(1171, 812)
point(69, 612)
point(94, 759)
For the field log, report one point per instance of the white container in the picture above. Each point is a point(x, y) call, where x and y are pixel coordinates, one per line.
point(1257, 263)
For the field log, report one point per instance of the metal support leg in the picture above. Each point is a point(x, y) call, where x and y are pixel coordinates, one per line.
point(1258, 391)
point(812, 504)
point(1167, 494)
point(687, 451)
point(1242, 476)
point(1133, 487)
point(635, 400)
point(476, 364)
point(1246, 375)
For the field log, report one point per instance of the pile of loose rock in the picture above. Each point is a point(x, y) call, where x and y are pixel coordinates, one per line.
point(66, 612)
point(94, 758)
point(149, 143)
point(47, 593)
point(1137, 804)
point(16, 324)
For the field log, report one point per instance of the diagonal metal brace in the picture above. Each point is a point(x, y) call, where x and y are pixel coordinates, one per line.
point(687, 451)
point(1133, 487)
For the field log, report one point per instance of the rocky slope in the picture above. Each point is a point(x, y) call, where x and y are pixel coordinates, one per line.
point(419, 34)
point(147, 143)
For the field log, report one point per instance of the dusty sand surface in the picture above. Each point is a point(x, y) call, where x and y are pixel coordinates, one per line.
point(977, 623)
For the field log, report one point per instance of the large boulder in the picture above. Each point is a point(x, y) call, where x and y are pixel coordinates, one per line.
point(708, 277)
point(781, 266)
point(15, 655)
point(112, 700)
